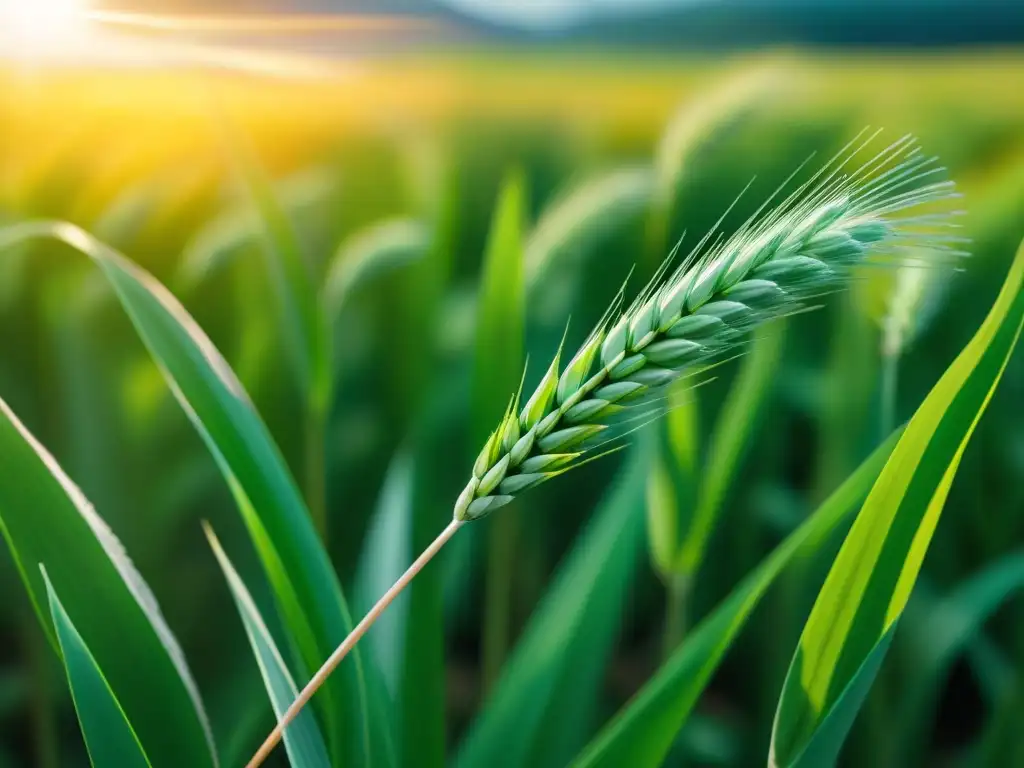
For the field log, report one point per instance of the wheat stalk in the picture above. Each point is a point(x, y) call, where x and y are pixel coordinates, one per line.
point(845, 215)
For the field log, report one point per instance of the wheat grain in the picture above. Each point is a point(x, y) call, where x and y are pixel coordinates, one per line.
point(721, 292)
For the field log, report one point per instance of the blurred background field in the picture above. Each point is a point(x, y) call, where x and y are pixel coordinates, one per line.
point(411, 148)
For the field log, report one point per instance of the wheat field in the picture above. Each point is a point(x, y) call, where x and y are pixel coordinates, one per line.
point(309, 299)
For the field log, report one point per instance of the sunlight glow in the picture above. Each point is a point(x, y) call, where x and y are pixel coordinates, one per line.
point(31, 27)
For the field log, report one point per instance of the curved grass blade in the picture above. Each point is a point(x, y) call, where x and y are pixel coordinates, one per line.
point(301, 318)
point(298, 305)
point(302, 739)
point(498, 360)
point(699, 118)
point(386, 553)
point(729, 441)
point(544, 703)
point(370, 253)
point(671, 480)
point(229, 233)
point(642, 733)
point(679, 536)
point(304, 584)
point(583, 215)
point(125, 216)
point(215, 243)
point(498, 357)
point(109, 737)
point(46, 519)
point(871, 579)
point(419, 669)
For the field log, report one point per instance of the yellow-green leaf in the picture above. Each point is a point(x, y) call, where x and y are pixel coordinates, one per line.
point(871, 579)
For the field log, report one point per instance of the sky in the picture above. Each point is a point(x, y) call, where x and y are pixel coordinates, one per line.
point(551, 13)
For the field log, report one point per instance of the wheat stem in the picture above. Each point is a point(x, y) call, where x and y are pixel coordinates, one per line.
point(349, 643)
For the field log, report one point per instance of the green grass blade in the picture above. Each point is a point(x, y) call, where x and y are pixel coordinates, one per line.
point(698, 119)
point(229, 233)
point(672, 482)
point(831, 730)
point(300, 317)
point(302, 739)
point(108, 734)
point(683, 508)
point(498, 362)
point(545, 701)
point(642, 733)
point(850, 376)
point(423, 722)
point(729, 442)
point(408, 641)
point(214, 245)
point(305, 586)
point(498, 359)
point(414, 326)
point(126, 215)
point(871, 579)
point(584, 214)
point(46, 519)
point(369, 253)
point(420, 722)
point(671, 479)
point(298, 305)
point(387, 552)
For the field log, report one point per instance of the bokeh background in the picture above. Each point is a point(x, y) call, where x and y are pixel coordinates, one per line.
point(392, 125)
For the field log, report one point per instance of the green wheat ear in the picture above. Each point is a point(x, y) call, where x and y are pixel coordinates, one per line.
point(847, 214)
